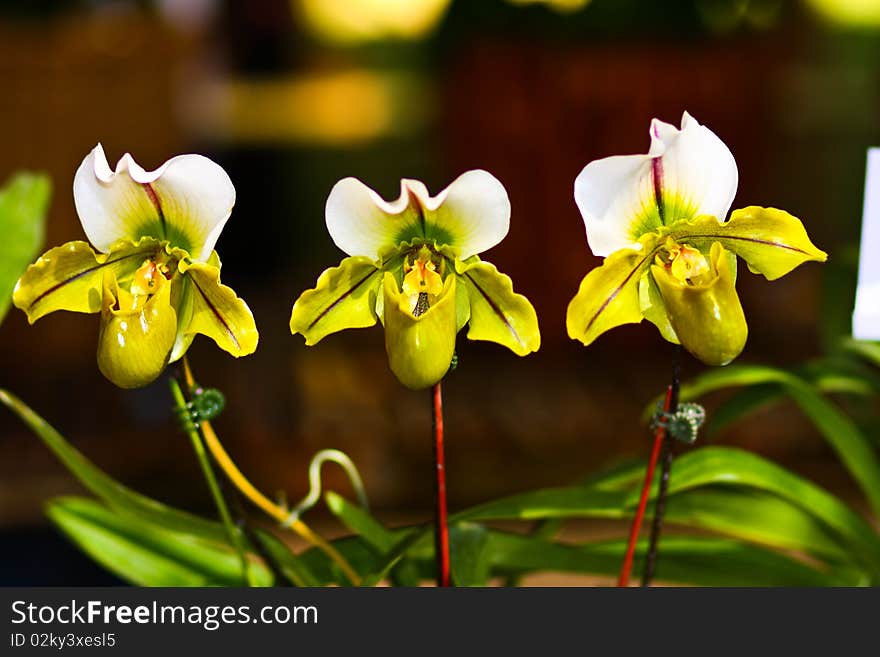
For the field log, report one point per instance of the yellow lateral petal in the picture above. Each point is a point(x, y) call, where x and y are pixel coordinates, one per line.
point(343, 298)
point(771, 241)
point(609, 295)
point(70, 277)
point(497, 313)
point(218, 312)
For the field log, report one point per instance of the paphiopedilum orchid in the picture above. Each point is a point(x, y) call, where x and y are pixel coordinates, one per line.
point(150, 270)
point(413, 265)
point(659, 220)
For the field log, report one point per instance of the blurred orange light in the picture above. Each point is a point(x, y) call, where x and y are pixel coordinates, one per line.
point(331, 109)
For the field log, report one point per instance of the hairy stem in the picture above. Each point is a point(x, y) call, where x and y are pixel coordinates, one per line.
point(665, 469)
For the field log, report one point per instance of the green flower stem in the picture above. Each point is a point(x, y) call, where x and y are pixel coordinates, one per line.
point(278, 512)
point(235, 536)
point(665, 468)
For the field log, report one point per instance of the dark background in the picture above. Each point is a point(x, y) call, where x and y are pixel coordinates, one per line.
point(291, 95)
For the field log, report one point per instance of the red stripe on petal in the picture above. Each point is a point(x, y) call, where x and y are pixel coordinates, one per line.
point(154, 199)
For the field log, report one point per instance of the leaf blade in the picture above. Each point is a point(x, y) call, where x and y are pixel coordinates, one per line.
point(24, 201)
point(147, 554)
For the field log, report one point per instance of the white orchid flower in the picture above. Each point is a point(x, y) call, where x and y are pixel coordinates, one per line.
point(660, 221)
point(413, 265)
point(150, 270)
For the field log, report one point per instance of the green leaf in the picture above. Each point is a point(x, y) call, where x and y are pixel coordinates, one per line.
point(840, 432)
point(841, 376)
point(757, 517)
point(870, 351)
point(146, 554)
point(360, 522)
point(797, 514)
point(106, 488)
point(744, 402)
point(497, 313)
point(142, 508)
point(343, 298)
point(735, 467)
point(287, 563)
point(686, 560)
point(826, 376)
point(470, 554)
point(362, 556)
point(771, 241)
point(718, 489)
point(572, 501)
point(745, 514)
point(730, 377)
point(707, 561)
point(24, 201)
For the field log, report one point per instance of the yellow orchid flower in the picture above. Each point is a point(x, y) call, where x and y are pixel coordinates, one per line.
point(413, 265)
point(659, 220)
point(150, 268)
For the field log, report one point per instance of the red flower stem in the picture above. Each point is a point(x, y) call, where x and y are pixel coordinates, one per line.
point(659, 436)
point(441, 525)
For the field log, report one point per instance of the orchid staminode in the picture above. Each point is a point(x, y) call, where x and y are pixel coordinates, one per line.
point(413, 265)
point(660, 221)
point(150, 268)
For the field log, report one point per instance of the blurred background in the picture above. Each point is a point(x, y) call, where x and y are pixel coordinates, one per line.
point(291, 95)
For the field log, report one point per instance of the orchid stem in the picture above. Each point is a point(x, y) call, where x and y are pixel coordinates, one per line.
point(659, 436)
point(441, 522)
point(232, 531)
point(665, 469)
point(247, 489)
